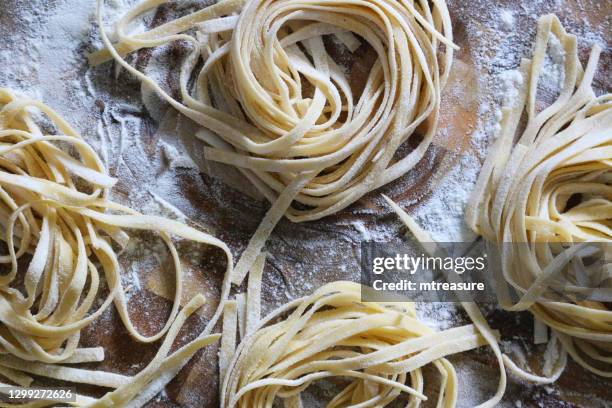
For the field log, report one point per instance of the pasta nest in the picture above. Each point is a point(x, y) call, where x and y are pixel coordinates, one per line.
point(62, 236)
point(285, 112)
point(546, 201)
point(379, 348)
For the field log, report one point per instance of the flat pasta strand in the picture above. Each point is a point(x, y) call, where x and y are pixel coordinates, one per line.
point(55, 211)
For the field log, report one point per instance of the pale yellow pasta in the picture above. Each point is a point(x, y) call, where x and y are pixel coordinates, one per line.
point(380, 348)
point(553, 186)
point(309, 152)
point(55, 212)
point(521, 197)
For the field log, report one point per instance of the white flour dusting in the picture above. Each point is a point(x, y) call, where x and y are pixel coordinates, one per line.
point(553, 72)
point(511, 81)
point(507, 20)
point(43, 53)
point(442, 214)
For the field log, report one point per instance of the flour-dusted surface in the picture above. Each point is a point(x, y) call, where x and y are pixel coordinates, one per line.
point(159, 162)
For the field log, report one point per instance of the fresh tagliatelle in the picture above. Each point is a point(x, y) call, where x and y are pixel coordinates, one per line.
point(521, 202)
point(543, 198)
point(282, 110)
point(61, 232)
point(380, 349)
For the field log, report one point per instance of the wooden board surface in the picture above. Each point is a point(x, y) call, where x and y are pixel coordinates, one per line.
point(304, 256)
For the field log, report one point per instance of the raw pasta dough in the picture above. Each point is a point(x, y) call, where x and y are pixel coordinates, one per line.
point(283, 111)
point(551, 187)
point(380, 348)
point(521, 197)
point(55, 213)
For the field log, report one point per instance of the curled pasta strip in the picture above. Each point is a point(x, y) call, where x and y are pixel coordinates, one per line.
point(380, 348)
point(54, 213)
point(282, 110)
point(553, 187)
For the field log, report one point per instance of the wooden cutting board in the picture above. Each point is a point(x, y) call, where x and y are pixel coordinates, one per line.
point(304, 256)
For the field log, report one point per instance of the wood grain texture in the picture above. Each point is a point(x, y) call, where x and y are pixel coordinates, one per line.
point(305, 256)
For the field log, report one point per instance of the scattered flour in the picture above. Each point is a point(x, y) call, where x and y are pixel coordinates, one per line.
point(440, 316)
point(362, 229)
point(553, 72)
point(176, 159)
point(506, 18)
point(511, 81)
point(443, 213)
point(43, 53)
